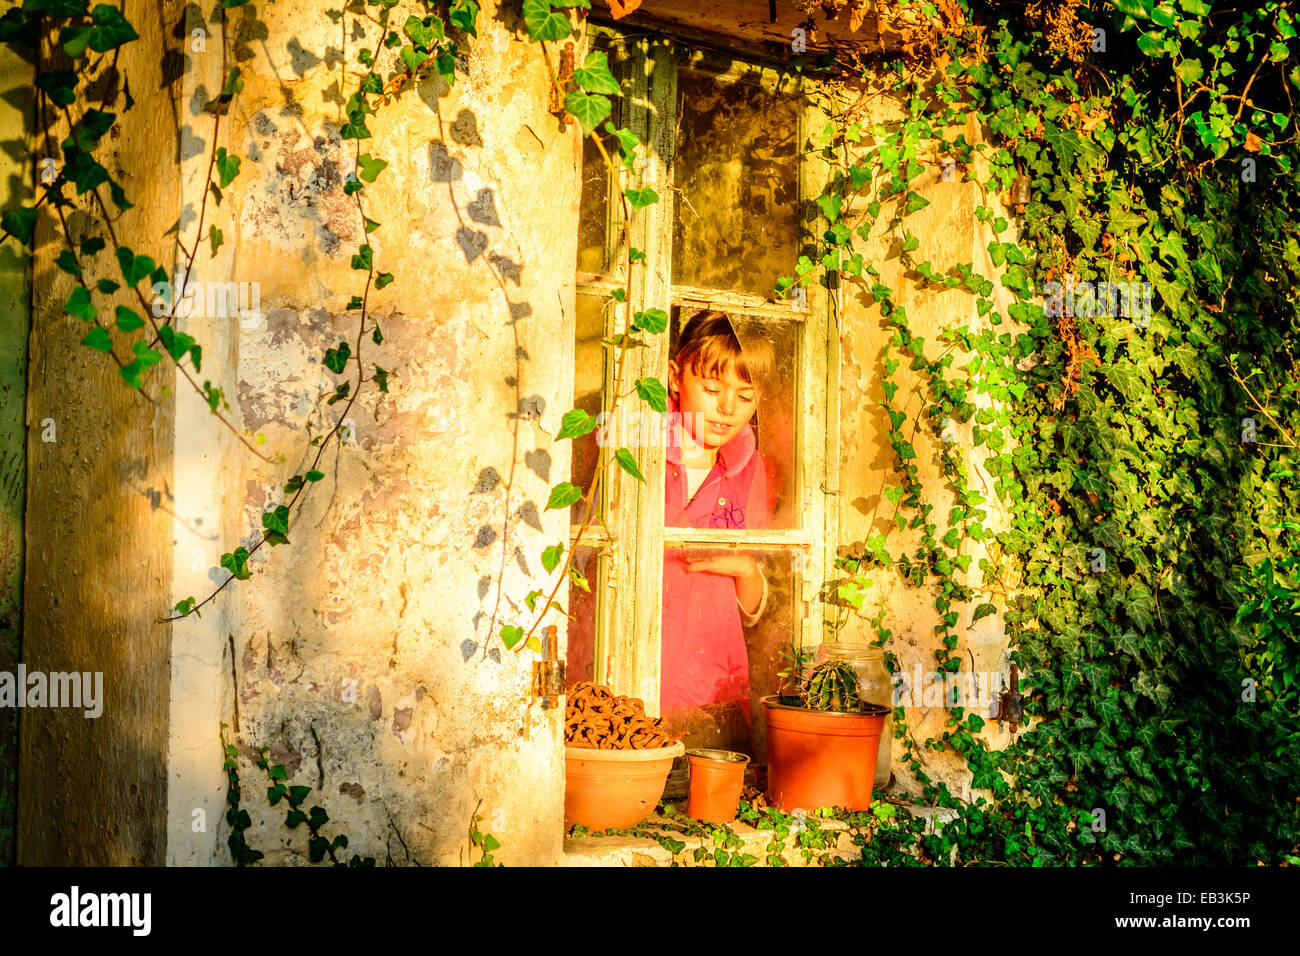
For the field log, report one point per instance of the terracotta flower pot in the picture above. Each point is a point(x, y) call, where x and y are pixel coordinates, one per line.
point(821, 759)
point(717, 777)
point(606, 789)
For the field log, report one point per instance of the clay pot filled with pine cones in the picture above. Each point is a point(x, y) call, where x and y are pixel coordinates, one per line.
point(616, 759)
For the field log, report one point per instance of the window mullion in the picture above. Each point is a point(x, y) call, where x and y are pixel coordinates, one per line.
point(818, 477)
point(636, 508)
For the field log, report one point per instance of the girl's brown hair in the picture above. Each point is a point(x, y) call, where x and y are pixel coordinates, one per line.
point(708, 345)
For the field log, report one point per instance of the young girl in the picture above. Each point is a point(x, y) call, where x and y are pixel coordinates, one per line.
point(715, 478)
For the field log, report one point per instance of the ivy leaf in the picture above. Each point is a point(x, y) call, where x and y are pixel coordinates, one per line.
point(176, 343)
point(830, 206)
point(219, 105)
point(79, 305)
point(127, 321)
point(74, 40)
point(653, 393)
point(589, 109)
point(1151, 43)
point(88, 131)
point(1140, 604)
point(563, 495)
point(337, 358)
point(463, 15)
point(551, 557)
point(627, 144)
point(84, 171)
point(370, 167)
point(983, 611)
point(227, 167)
point(233, 83)
point(412, 58)
point(134, 268)
point(625, 459)
point(355, 127)
point(640, 198)
point(99, 339)
point(916, 202)
point(59, 85)
point(20, 223)
point(237, 563)
point(423, 33)
point(383, 279)
point(314, 475)
point(543, 23)
point(1122, 221)
point(651, 320)
point(594, 75)
point(110, 30)
point(364, 259)
point(213, 395)
point(511, 635)
point(277, 520)
point(575, 424)
point(66, 261)
point(215, 238)
point(133, 371)
point(381, 379)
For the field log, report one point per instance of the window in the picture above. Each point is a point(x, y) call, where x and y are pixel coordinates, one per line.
point(727, 146)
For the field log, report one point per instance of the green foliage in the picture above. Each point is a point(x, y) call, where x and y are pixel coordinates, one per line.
point(486, 843)
point(1163, 681)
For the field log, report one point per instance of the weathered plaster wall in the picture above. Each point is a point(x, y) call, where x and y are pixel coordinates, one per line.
point(949, 235)
point(98, 532)
point(16, 122)
point(364, 653)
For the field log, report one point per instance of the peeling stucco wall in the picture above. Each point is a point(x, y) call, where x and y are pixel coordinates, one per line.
point(364, 654)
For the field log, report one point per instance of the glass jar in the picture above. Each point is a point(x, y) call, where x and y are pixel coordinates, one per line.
point(874, 686)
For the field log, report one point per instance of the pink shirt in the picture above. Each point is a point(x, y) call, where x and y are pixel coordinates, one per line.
point(704, 660)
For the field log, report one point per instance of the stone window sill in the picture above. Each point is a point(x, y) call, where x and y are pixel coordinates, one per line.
point(646, 851)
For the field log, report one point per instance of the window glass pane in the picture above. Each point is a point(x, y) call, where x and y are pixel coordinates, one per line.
point(716, 665)
point(588, 391)
point(736, 219)
point(580, 659)
point(753, 498)
point(595, 188)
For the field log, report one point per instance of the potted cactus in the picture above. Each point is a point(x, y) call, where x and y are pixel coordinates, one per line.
point(822, 741)
point(792, 675)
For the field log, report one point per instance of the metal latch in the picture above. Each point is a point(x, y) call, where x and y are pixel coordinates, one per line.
point(1011, 703)
point(548, 673)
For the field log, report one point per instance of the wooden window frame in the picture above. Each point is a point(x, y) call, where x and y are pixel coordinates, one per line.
point(627, 593)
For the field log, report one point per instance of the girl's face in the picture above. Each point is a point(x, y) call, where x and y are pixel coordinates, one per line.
point(714, 408)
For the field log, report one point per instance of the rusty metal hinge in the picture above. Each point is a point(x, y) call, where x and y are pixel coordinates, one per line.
point(548, 673)
point(1011, 703)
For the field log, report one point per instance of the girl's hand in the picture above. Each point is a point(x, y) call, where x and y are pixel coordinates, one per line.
point(741, 566)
